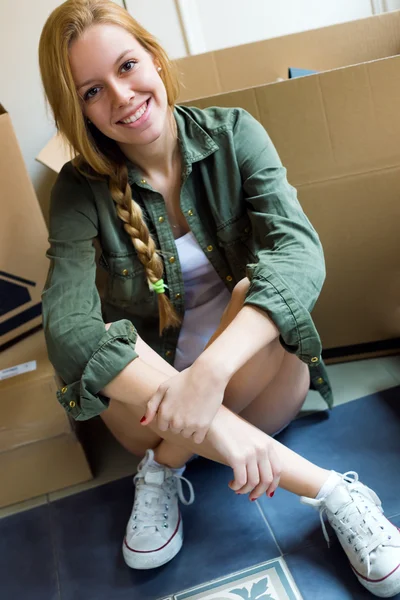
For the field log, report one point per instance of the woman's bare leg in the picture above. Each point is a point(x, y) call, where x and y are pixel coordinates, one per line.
point(298, 475)
point(268, 397)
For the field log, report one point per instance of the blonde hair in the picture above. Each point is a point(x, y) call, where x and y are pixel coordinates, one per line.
point(101, 154)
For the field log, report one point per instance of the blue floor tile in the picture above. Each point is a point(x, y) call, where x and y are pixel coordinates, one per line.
point(362, 436)
point(223, 533)
point(325, 574)
point(27, 563)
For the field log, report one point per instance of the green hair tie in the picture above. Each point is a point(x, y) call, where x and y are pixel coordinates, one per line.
point(159, 286)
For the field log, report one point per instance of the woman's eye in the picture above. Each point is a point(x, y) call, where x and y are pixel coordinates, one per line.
point(88, 93)
point(133, 62)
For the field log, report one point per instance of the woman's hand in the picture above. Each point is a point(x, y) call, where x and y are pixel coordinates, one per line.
point(187, 403)
point(250, 453)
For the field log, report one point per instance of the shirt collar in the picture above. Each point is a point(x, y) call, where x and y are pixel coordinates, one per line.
point(196, 144)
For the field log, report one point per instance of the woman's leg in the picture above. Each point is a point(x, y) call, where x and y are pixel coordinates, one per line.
point(298, 475)
point(271, 388)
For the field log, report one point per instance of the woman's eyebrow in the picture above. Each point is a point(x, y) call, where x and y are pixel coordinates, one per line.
point(120, 57)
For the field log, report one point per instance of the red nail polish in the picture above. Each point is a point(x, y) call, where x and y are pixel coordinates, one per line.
point(271, 494)
point(142, 420)
point(253, 499)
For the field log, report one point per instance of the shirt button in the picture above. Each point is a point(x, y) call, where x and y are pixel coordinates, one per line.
point(125, 272)
point(247, 229)
point(229, 278)
point(320, 380)
point(168, 353)
point(314, 359)
point(161, 219)
point(64, 389)
point(172, 259)
point(210, 248)
point(178, 295)
point(72, 404)
point(143, 181)
point(190, 212)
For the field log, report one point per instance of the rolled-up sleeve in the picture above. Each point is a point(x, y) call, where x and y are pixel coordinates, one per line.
point(84, 355)
point(290, 272)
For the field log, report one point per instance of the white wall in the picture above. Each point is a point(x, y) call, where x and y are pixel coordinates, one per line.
point(227, 23)
point(161, 18)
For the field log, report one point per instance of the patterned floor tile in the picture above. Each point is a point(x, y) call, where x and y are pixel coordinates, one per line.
point(270, 581)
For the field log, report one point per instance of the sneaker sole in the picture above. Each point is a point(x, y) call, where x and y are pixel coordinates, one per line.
point(151, 560)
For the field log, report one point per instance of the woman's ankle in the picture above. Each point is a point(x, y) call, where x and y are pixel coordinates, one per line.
point(171, 456)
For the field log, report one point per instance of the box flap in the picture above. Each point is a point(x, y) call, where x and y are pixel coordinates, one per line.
point(56, 153)
point(266, 61)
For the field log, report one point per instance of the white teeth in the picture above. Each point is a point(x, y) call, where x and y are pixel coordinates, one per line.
point(137, 114)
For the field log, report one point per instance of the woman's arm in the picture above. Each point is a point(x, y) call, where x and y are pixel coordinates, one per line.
point(84, 355)
point(249, 332)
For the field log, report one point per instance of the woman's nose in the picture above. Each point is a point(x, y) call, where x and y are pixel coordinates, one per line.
point(122, 94)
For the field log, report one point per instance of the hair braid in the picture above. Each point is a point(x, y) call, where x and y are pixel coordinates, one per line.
point(131, 214)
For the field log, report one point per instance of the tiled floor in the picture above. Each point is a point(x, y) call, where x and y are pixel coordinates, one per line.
point(68, 546)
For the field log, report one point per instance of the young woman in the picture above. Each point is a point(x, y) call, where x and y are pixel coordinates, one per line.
point(202, 342)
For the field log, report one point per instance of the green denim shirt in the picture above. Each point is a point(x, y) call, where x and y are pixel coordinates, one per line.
point(246, 218)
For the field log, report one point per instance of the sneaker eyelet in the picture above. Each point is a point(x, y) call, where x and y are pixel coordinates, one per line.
point(165, 525)
point(389, 537)
point(166, 507)
point(165, 516)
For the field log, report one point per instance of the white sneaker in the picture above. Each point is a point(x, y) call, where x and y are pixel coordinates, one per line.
point(154, 534)
point(371, 542)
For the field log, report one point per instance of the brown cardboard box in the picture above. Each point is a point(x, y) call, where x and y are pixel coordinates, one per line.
point(39, 451)
point(41, 467)
point(23, 242)
point(338, 134)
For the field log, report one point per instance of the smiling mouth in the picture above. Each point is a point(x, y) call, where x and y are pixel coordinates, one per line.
point(136, 116)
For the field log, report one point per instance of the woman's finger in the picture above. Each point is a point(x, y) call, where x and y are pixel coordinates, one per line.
point(199, 435)
point(162, 421)
point(276, 468)
point(253, 476)
point(188, 432)
point(152, 407)
point(266, 476)
point(239, 475)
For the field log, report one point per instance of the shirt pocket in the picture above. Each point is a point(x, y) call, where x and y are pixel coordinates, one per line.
point(236, 240)
point(127, 285)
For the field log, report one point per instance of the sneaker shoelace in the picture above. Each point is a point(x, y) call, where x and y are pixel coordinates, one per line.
point(152, 501)
point(360, 520)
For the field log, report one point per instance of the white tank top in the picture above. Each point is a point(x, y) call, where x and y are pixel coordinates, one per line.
point(206, 298)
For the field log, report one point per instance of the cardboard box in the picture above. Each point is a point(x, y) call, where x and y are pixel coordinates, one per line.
point(39, 451)
point(23, 242)
point(41, 467)
point(29, 411)
point(338, 135)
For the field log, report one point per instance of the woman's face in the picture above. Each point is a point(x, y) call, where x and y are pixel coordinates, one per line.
point(117, 79)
